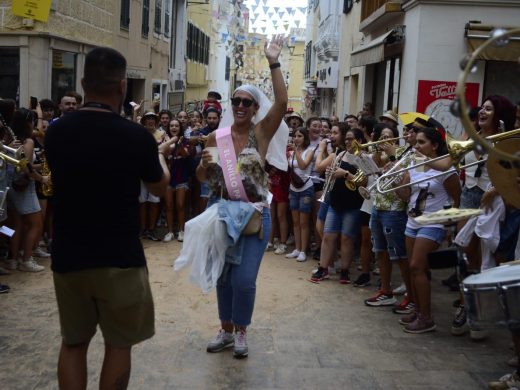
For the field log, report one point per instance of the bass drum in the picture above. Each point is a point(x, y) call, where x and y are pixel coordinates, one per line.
point(493, 297)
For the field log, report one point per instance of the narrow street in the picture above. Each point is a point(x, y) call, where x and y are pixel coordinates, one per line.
point(303, 336)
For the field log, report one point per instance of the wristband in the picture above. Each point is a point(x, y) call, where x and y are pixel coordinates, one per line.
point(392, 158)
point(274, 65)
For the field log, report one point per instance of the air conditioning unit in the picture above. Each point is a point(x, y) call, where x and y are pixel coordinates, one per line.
point(176, 79)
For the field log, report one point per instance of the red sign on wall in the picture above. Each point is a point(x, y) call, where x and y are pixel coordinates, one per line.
point(435, 97)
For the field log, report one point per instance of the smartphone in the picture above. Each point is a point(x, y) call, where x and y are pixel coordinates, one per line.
point(34, 102)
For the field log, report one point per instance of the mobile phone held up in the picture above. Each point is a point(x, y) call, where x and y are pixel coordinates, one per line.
point(34, 102)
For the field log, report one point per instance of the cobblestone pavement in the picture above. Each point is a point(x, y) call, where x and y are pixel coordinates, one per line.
point(303, 336)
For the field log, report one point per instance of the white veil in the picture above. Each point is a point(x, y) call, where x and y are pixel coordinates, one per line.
point(276, 152)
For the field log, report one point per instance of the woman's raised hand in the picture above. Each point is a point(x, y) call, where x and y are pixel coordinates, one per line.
point(274, 48)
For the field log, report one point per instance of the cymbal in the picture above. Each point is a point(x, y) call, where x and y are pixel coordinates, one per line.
point(503, 174)
point(447, 216)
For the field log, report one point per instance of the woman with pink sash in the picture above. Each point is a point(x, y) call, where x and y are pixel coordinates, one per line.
point(252, 130)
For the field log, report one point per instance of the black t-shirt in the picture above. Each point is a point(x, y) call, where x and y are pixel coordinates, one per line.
point(341, 198)
point(97, 160)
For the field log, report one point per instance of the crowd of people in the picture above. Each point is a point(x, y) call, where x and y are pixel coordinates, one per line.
point(317, 209)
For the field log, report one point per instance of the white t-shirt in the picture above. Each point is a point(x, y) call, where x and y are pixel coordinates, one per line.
point(471, 181)
point(303, 173)
point(428, 196)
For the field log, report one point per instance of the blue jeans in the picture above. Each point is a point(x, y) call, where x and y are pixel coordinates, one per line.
point(236, 288)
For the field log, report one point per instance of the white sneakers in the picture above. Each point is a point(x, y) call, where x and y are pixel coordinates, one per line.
point(282, 248)
point(296, 254)
point(30, 266)
point(168, 237)
point(180, 236)
point(40, 252)
point(293, 255)
point(301, 257)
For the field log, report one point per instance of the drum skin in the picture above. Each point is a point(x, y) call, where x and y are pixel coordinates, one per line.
point(493, 297)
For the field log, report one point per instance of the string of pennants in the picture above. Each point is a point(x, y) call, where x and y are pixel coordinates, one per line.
point(264, 19)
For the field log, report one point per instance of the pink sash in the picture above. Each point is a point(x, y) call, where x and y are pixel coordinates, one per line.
point(228, 163)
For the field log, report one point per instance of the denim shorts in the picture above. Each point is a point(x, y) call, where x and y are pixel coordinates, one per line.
point(387, 228)
point(470, 197)
point(322, 212)
point(180, 186)
point(25, 202)
point(301, 201)
point(431, 233)
point(346, 222)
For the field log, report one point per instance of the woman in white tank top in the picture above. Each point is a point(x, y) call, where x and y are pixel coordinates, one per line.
point(423, 198)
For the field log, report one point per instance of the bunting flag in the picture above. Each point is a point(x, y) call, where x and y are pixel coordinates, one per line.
point(303, 10)
point(280, 14)
point(276, 9)
point(265, 9)
point(263, 29)
point(270, 14)
point(297, 23)
point(289, 10)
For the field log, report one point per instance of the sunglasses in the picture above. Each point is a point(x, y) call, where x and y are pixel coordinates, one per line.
point(245, 102)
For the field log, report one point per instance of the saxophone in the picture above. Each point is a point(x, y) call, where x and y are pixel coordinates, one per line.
point(46, 188)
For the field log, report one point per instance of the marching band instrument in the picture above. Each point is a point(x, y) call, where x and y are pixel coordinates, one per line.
point(357, 180)
point(386, 189)
point(357, 147)
point(47, 187)
point(504, 161)
point(447, 216)
point(459, 106)
point(329, 177)
point(493, 297)
point(502, 176)
point(19, 164)
point(456, 151)
point(16, 153)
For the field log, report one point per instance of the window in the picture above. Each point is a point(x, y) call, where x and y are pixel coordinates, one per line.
point(167, 17)
point(9, 72)
point(158, 16)
point(197, 47)
point(63, 73)
point(228, 68)
point(125, 14)
point(146, 18)
point(308, 57)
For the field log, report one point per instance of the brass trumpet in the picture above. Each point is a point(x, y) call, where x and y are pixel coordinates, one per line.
point(357, 147)
point(329, 179)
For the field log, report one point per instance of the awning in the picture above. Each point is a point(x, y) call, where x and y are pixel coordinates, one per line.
point(373, 51)
point(476, 34)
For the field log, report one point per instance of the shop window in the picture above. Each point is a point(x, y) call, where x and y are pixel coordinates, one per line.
point(63, 73)
point(9, 73)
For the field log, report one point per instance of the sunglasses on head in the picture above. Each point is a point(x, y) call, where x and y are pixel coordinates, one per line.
point(245, 102)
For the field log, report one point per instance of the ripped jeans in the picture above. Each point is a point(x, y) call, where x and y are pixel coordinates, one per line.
point(387, 228)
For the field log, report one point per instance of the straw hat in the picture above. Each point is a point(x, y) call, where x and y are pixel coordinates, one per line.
point(390, 115)
point(150, 114)
point(295, 115)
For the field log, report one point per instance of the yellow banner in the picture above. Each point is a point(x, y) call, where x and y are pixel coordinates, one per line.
point(32, 9)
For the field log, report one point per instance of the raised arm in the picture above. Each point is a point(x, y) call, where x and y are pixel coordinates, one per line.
point(269, 124)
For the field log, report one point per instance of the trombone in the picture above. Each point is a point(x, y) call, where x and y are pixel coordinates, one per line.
point(404, 160)
point(456, 151)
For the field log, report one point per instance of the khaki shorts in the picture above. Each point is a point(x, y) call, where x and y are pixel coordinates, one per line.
point(118, 299)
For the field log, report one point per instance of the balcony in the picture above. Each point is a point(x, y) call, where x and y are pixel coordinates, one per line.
point(375, 13)
point(327, 44)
